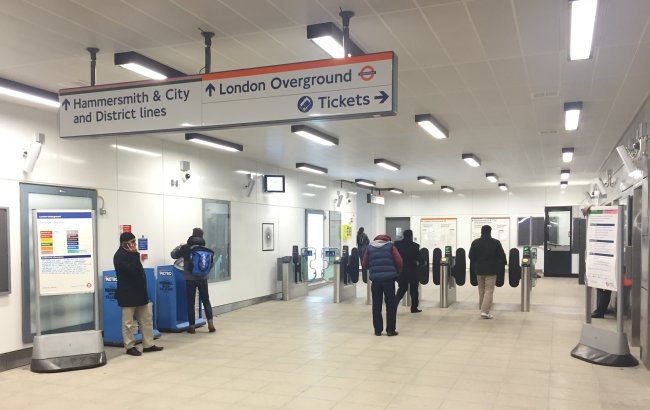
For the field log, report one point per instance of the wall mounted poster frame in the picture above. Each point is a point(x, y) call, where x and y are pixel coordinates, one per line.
point(268, 237)
point(438, 233)
point(500, 229)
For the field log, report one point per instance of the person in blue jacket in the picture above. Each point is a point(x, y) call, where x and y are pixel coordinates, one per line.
point(385, 263)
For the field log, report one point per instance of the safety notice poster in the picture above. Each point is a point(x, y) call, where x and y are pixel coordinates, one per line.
point(500, 230)
point(65, 251)
point(602, 247)
point(437, 233)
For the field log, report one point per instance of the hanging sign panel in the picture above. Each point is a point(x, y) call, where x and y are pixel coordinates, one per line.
point(65, 252)
point(361, 86)
point(602, 247)
point(438, 233)
point(500, 230)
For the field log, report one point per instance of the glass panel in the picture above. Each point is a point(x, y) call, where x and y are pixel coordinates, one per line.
point(335, 229)
point(559, 231)
point(315, 239)
point(216, 232)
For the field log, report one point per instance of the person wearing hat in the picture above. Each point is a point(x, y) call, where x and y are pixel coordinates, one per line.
point(132, 296)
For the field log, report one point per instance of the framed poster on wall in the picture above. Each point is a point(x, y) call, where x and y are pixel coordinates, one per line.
point(500, 229)
point(438, 233)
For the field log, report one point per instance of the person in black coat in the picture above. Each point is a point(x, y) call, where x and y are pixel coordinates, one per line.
point(408, 278)
point(131, 295)
point(487, 256)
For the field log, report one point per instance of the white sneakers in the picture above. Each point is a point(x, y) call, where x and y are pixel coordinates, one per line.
point(486, 315)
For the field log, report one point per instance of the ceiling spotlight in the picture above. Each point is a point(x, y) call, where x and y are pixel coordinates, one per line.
point(472, 160)
point(572, 115)
point(564, 174)
point(145, 66)
point(365, 182)
point(28, 93)
point(330, 38)
point(447, 188)
point(396, 190)
point(317, 186)
point(213, 142)
point(564, 184)
point(432, 126)
point(567, 154)
point(384, 163)
point(311, 168)
point(492, 177)
point(314, 135)
point(503, 187)
point(583, 19)
point(427, 180)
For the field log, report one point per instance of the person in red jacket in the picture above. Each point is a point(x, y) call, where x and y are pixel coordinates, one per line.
point(385, 263)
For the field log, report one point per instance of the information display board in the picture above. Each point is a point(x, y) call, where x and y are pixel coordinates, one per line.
point(500, 230)
point(64, 244)
point(603, 242)
point(438, 233)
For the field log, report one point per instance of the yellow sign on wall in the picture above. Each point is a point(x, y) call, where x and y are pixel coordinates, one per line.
point(346, 231)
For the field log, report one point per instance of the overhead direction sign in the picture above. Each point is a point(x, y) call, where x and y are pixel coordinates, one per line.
point(362, 86)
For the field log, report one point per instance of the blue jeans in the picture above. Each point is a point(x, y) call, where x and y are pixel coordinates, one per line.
point(384, 290)
point(204, 297)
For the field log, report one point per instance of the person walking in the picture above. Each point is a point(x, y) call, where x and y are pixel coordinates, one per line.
point(408, 278)
point(487, 256)
point(197, 263)
point(385, 263)
point(131, 295)
point(362, 245)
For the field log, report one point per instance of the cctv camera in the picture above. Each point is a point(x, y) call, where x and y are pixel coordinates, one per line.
point(349, 201)
point(186, 176)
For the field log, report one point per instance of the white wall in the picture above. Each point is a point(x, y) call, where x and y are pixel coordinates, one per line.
point(137, 190)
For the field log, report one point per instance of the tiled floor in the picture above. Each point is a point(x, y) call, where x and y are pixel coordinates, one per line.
point(312, 354)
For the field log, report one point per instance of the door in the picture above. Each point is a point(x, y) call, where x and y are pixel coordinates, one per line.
point(557, 241)
point(395, 228)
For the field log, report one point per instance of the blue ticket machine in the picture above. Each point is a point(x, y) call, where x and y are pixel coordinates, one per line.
point(112, 312)
point(172, 301)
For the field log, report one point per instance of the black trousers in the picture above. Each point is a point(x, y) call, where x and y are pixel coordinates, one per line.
point(413, 290)
point(384, 290)
point(191, 287)
point(603, 297)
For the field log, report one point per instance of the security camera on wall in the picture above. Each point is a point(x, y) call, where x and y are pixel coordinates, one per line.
point(31, 154)
point(248, 188)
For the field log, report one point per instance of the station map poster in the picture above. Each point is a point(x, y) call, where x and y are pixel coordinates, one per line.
point(500, 230)
point(64, 244)
point(602, 247)
point(438, 233)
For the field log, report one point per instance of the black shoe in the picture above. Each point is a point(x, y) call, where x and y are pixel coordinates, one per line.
point(416, 310)
point(133, 351)
point(377, 333)
point(393, 333)
point(153, 348)
point(596, 315)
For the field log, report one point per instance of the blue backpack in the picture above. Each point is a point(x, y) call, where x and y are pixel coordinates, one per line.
point(201, 261)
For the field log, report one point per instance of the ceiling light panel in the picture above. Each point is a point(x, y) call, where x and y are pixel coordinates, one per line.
point(567, 154)
point(311, 168)
point(314, 135)
point(365, 182)
point(572, 115)
point(447, 188)
point(145, 66)
point(492, 177)
point(472, 160)
point(426, 180)
point(432, 126)
point(213, 142)
point(28, 93)
point(583, 20)
point(386, 164)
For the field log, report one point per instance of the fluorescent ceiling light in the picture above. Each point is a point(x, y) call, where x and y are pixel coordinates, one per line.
point(365, 182)
point(252, 174)
point(565, 174)
point(564, 184)
point(145, 66)
point(330, 38)
point(28, 93)
point(572, 115)
point(427, 180)
point(503, 187)
point(352, 192)
point(396, 190)
point(308, 194)
point(136, 150)
point(447, 188)
point(492, 177)
point(384, 163)
point(317, 186)
point(432, 126)
point(567, 154)
point(472, 160)
point(213, 142)
point(583, 19)
point(314, 135)
point(311, 168)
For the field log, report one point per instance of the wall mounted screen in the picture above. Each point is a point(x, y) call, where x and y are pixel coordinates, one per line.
point(273, 183)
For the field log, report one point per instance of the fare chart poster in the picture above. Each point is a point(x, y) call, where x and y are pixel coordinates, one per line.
point(602, 247)
point(438, 233)
point(65, 251)
point(500, 230)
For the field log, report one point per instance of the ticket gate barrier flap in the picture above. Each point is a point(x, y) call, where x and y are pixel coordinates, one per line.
point(436, 257)
point(330, 256)
point(353, 265)
point(307, 259)
point(459, 268)
point(290, 288)
point(423, 270)
point(172, 303)
point(514, 269)
point(447, 281)
point(342, 291)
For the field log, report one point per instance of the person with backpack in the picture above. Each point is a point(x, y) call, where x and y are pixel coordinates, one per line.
point(197, 263)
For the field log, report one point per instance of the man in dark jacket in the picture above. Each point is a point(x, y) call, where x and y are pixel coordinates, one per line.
point(385, 263)
point(362, 244)
point(408, 278)
point(488, 257)
point(132, 296)
point(193, 282)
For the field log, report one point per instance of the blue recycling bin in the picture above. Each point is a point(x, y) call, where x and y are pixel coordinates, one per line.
point(172, 301)
point(112, 312)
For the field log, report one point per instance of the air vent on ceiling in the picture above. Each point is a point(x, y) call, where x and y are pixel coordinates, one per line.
point(544, 94)
point(547, 132)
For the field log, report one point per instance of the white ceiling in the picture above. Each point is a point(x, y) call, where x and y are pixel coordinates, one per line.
point(495, 72)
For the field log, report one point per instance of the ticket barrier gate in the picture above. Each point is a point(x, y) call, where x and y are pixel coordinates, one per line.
point(307, 261)
point(172, 301)
point(330, 256)
point(447, 281)
point(112, 312)
point(344, 289)
point(294, 284)
point(527, 278)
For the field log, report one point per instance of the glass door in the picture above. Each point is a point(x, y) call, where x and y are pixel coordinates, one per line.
point(557, 244)
point(315, 238)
